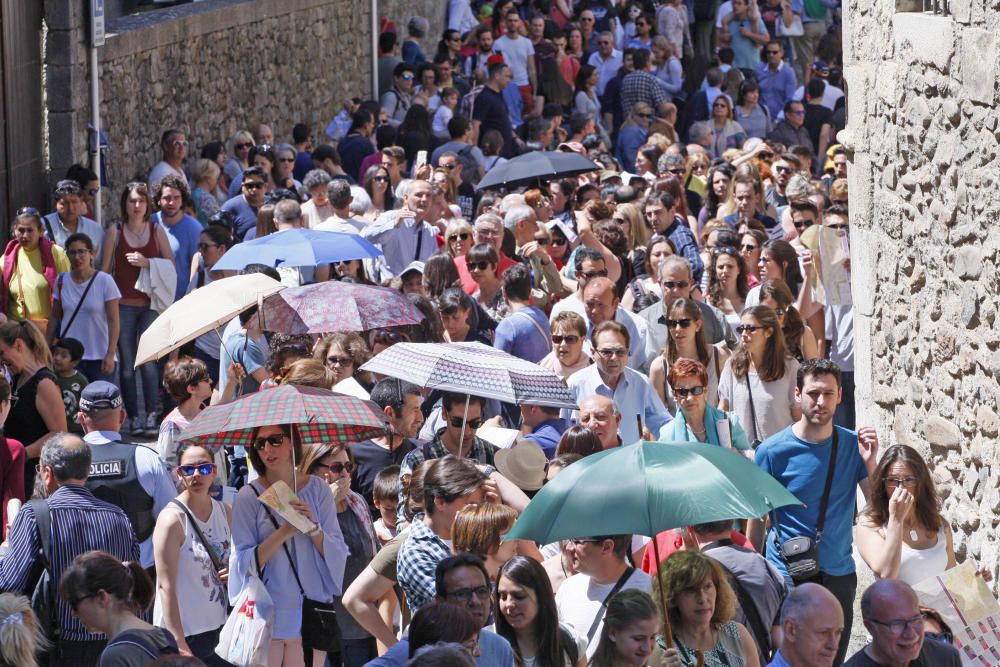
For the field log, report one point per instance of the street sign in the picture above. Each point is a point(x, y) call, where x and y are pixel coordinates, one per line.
point(96, 23)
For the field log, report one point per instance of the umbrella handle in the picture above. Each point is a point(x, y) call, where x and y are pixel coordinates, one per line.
point(668, 635)
point(465, 418)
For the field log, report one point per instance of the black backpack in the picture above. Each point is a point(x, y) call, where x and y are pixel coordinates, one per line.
point(43, 590)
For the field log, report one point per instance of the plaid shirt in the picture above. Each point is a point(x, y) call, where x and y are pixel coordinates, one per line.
point(418, 559)
point(481, 452)
point(642, 87)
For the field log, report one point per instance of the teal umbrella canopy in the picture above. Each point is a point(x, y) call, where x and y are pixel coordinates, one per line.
point(646, 488)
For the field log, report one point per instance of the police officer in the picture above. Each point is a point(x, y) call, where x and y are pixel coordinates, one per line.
point(130, 476)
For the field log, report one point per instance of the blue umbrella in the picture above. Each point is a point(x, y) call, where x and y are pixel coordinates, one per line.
point(297, 247)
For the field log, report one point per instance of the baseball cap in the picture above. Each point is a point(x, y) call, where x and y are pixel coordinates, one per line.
point(100, 395)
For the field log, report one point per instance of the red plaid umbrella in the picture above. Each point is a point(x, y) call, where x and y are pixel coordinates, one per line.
point(318, 415)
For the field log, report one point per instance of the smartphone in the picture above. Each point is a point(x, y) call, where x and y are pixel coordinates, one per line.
point(421, 160)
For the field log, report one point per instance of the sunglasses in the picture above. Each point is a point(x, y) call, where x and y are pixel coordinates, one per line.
point(782, 169)
point(748, 247)
point(482, 266)
point(542, 242)
point(456, 422)
point(338, 467)
point(836, 226)
point(449, 166)
point(203, 469)
point(608, 353)
point(407, 77)
point(803, 224)
point(748, 328)
point(571, 339)
point(339, 361)
point(644, 115)
point(683, 323)
point(461, 236)
point(244, 146)
point(684, 392)
point(276, 440)
point(287, 160)
point(180, 144)
point(253, 185)
point(670, 284)
point(381, 179)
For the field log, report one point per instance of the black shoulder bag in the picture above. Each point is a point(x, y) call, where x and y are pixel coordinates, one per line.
point(43, 593)
point(753, 415)
point(83, 297)
point(320, 630)
point(801, 554)
point(216, 563)
point(604, 604)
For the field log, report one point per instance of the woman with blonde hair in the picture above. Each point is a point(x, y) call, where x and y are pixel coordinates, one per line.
point(726, 132)
point(629, 633)
point(240, 144)
point(458, 237)
point(205, 178)
point(309, 373)
point(343, 352)
point(700, 607)
point(480, 529)
point(21, 638)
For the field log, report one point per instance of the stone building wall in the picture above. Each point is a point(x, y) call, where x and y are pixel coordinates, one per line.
point(922, 124)
point(435, 11)
point(209, 68)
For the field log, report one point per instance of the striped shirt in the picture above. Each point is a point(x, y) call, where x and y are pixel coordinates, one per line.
point(80, 523)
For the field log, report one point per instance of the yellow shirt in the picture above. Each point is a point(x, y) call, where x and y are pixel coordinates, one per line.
point(29, 291)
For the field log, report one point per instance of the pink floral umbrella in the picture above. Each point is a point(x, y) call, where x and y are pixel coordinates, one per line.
point(335, 306)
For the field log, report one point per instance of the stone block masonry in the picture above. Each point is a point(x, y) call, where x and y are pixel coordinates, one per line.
point(924, 201)
point(211, 68)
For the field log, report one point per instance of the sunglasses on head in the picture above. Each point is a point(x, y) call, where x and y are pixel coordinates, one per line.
point(276, 440)
point(456, 422)
point(203, 469)
point(684, 392)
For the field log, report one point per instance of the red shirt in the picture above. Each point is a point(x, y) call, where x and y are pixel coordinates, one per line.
point(471, 286)
point(670, 541)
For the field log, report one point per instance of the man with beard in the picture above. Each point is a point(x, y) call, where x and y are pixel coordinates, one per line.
point(822, 464)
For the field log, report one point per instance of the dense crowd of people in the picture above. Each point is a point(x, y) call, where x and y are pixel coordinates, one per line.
point(694, 286)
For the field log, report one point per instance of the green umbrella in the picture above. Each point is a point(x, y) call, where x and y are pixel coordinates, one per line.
point(646, 488)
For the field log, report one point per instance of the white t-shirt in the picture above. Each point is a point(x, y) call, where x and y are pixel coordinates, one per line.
point(516, 53)
point(772, 401)
point(579, 600)
point(90, 326)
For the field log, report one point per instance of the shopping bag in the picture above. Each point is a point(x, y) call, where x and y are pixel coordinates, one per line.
point(246, 636)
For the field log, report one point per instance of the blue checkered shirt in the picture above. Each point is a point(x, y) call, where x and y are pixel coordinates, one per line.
point(418, 559)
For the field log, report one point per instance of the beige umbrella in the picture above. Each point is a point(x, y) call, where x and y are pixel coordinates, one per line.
point(201, 311)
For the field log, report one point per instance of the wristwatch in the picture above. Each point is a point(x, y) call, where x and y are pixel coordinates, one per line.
point(318, 530)
point(489, 471)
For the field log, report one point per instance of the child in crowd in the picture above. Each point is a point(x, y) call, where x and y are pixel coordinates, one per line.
point(439, 126)
point(385, 494)
point(66, 354)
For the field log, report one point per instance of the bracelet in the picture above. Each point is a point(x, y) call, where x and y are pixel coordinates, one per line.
point(489, 471)
point(318, 530)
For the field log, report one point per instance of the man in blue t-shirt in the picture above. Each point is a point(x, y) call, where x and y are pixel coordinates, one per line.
point(183, 231)
point(799, 457)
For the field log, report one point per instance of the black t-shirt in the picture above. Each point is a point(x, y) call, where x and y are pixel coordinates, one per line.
point(817, 116)
point(371, 459)
point(933, 654)
point(491, 111)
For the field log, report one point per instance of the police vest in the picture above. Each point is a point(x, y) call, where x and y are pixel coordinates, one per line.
point(113, 478)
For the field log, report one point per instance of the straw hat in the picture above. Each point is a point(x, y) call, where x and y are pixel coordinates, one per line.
point(523, 464)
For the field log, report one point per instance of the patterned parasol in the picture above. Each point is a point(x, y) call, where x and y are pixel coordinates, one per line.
point(474, 369)
point(336, 306)
point(319, 416)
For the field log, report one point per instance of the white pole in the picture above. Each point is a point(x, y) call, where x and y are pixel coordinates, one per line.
point(465, 418)
point(374, 47)
point(95, 102)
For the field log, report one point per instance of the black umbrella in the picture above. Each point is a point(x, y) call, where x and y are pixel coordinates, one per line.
point(535, 167)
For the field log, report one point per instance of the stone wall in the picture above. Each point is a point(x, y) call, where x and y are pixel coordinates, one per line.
point(922, 124)
point(435, 11)
point(209, 68)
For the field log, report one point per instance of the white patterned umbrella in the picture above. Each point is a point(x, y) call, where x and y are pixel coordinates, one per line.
point(473, 369)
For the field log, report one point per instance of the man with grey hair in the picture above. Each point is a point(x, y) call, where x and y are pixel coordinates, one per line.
point(892, 616)
point(405, 234)
point(811, 625)
point(488, 229)
point(73, 521)
point(341, 196)
point(701, 134)
point(676, 281)
point(522, 222)
point(317, 209)
point(288, 216)
point(361, 203)
point(416, 29)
